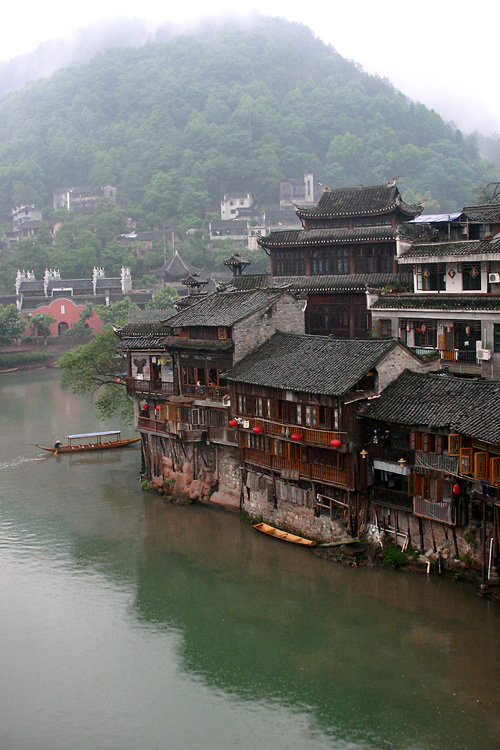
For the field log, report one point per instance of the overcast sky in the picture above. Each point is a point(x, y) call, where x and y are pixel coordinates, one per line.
point(442, 53)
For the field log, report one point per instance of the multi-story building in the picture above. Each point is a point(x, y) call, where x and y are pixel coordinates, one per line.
point(433, 444)
point(453, 309)
point(176, 375)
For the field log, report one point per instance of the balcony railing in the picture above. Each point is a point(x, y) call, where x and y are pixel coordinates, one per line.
point(224, 435)
point(392, 498)
point(308, 434)
point(319, 472)
point(212, 392)
point(184, 430)
point(149, 386)
point(391, 454)
point(444, 512)
point(451, 356)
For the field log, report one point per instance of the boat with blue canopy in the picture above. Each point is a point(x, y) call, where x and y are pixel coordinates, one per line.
point(91, 441)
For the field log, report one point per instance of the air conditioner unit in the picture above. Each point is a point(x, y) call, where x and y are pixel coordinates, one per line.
point(494, 278)
point(483, 354)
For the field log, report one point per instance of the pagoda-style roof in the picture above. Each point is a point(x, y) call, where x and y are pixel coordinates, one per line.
point(311, 364)
point(327, 236)
point(147, 335)
point(490, 213)
point(474, 249)
point(445, 301)
point(359, 201)
point(176, 268)
point(468, 407)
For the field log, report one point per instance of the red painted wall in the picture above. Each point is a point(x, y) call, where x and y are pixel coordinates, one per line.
point(66, 310)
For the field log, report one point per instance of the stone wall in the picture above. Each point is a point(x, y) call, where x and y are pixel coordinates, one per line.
point(394, 363)
point(228, 473)
point(286, 315)
point(282, 506)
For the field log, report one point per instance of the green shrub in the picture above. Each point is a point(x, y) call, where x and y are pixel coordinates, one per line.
point(13, 359)
point(394, 557)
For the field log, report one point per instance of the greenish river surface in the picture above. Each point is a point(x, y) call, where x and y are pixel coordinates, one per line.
point(128, 623)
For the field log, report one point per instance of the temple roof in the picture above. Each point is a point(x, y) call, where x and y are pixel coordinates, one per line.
point(311, 364)
point(327, 236)
point(449, 249)
point(224, 308)
point(176, 267)
point(359, 201)
point(469, 407)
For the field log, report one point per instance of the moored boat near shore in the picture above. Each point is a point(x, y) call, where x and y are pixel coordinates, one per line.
point(90, 441)
point(284, 535)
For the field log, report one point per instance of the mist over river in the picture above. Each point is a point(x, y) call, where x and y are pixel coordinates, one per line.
point(131, 624)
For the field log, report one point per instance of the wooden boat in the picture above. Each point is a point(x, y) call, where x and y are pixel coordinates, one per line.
point(91, 441)
point(285, 535)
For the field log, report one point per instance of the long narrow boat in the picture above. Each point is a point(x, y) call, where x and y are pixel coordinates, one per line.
point(285, 535)
point(91, 441)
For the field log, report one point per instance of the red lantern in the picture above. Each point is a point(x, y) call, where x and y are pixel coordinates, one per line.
point(335, 443)
point(468, 330)
point(296, 437)
point(456, 489)
point(233, 423)
point(257, 430)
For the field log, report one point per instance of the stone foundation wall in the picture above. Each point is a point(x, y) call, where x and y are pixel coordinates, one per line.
point(260, 501)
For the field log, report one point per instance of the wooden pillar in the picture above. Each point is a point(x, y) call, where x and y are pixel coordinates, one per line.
point(483, 540)
point(421, 534)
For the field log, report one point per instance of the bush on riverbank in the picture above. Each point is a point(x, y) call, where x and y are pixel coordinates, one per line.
point(16, 359)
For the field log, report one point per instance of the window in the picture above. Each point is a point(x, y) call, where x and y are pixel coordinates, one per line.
point(471, 278)
point(431, 278)
point(425, 333)
point(496, 337)
point(290, 263)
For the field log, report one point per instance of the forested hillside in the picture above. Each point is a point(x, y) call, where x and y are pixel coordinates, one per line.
point(174, 125)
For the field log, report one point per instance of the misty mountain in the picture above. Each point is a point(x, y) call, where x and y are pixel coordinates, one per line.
point(178, 121)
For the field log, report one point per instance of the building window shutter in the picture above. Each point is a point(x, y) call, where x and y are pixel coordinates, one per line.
point(222, 332)
point(481, 465)
point(454, 444)
point(495, 470)
point(466, 460)
point(425, 442)
point(439, 443)
point(411, 485)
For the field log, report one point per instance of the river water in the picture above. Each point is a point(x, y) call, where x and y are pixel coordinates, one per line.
point(129, 623)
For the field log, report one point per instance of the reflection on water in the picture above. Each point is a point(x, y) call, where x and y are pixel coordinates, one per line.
point(128, 622)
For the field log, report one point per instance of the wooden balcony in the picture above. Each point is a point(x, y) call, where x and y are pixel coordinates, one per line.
point(184, 430)
point(319, 472)
point(443, 512)
point(392, 499)
point(149, 387)
point(210, 392)
point(391, 454)
point(223, 435)
point(308, 434)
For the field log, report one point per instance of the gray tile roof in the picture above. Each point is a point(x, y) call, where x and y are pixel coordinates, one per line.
point(328, 282)
point(224, 308)
point(450, 249)
point(358, 201)
point(327, 236)
point(311, 364)
point(483, 213)
point(148, 335)
point(448, 302)
point(469, 407)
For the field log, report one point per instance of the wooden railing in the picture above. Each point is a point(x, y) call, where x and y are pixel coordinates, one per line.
point(155, 425)
point(212, 392)
point(223, 435)
point(149, 386)
point(184, 430)
point(444, 512)
point(392, 454)
point(319, 472)
point(308, 434)
point(392, 498)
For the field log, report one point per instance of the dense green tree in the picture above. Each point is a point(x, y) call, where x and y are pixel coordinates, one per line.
point(96, 369)
point(39, 324)
point(12, 326)
point(116, 313)
point(163, 299)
